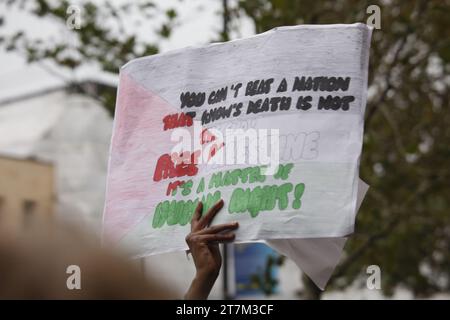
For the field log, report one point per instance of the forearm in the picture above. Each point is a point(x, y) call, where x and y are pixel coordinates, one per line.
point(201, 286)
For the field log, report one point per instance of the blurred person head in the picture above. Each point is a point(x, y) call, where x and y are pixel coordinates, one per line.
point(34, 265)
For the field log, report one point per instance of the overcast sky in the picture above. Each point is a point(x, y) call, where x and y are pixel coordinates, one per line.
point(199, 22)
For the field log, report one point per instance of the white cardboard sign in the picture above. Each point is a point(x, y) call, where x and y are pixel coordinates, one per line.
point(296, 97)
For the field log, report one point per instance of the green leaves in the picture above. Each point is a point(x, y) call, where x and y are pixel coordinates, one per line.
point(103, 37)
point(404, 221)
point(107, 37)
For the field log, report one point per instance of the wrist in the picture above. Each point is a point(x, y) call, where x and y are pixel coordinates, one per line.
point(207, 276)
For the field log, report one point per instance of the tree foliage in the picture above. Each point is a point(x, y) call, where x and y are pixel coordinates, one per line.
point(404, 223)
point(107, 38)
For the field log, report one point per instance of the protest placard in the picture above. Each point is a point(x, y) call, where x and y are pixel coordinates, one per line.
point(273, 124)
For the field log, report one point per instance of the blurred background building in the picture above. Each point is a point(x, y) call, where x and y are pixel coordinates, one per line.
point(27, 191)
point(54, 147)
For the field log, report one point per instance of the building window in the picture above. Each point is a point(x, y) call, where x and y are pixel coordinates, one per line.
point(29, 208)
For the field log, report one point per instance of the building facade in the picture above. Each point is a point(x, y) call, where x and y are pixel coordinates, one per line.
point(27, 191)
